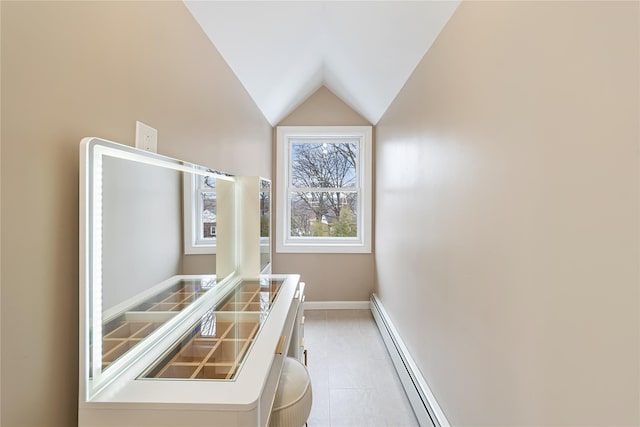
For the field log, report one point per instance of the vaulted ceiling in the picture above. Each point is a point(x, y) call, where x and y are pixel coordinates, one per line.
point(283, 51)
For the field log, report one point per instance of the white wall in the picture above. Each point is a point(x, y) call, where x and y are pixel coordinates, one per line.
point(507, 214)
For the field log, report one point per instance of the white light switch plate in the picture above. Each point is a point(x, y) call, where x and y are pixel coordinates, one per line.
point(146, 137)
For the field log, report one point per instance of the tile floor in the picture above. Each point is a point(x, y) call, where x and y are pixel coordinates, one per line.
point(353, 379)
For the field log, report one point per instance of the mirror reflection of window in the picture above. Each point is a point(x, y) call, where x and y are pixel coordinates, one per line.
point(200, 213)
point(265, 225)
point(265, 208)
point(207, 209)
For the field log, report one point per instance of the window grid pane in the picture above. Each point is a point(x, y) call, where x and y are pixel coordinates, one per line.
point(331, 164)
point(323, 214)
point(208, 215)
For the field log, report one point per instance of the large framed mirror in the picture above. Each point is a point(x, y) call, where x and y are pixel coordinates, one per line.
point(156, 234)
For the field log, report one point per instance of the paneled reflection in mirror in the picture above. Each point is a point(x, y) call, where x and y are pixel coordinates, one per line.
point(140, 272)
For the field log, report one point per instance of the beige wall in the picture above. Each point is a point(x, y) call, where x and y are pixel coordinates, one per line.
point(329, 277)
point(76, 69)
point(0, 221)
point(142, 228)
point(507, 214)
point(198, 264)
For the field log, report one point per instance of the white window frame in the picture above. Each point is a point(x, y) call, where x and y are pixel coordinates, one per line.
point(288, 244)
point(192, 192)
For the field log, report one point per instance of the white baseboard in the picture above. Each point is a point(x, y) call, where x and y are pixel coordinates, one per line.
point(336, 305)
point(423, 402)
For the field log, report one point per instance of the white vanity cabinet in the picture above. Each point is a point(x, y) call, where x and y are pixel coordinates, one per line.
point(164, 340)
point(220, 370)
point(296, 347)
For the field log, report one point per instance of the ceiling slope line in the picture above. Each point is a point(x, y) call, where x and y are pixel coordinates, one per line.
point(362, 51)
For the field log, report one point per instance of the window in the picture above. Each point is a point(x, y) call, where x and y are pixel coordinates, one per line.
point(200, 214)
point(324, 189)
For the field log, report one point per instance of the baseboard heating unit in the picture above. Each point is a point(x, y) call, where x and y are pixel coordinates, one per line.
point(422, 401)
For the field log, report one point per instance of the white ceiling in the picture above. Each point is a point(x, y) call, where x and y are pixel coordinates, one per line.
point(283, 51)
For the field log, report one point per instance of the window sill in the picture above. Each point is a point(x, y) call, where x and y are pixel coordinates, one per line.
point(315, 248)
point(200, 250)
